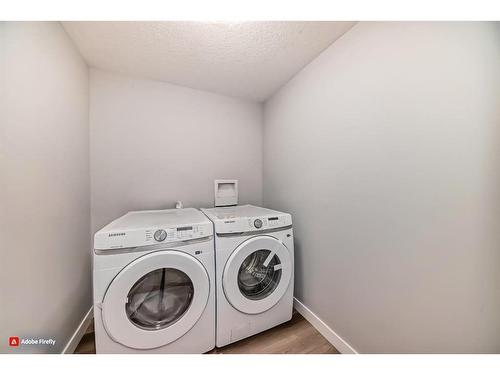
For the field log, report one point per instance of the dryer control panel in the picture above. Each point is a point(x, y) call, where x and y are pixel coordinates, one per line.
point(241, 219)
point(268, 222)
point(252, 224)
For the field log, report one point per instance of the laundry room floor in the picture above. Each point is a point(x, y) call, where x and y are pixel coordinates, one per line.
point(296, 336)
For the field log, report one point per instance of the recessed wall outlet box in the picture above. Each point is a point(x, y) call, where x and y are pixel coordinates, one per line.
point(226, 193)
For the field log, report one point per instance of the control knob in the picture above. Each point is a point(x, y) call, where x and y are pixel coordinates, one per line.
point(257, 223)
point(160, 235)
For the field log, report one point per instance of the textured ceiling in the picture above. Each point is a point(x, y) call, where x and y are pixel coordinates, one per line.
point(244, 59)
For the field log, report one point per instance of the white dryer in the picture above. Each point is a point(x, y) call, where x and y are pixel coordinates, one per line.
point(254, 270)
point(154, 283)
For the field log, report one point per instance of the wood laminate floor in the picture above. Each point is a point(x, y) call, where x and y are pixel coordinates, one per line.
point(297, 336)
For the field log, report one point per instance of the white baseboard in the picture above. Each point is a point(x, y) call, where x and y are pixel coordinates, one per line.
point(338, 342)
point(80, 331)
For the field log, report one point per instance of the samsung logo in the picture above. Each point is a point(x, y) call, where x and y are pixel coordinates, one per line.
point(229, 221)
point(116, 234)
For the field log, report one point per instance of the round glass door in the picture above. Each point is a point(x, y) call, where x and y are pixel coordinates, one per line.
point(155, 299)
point(159, 298)
point(258, 276)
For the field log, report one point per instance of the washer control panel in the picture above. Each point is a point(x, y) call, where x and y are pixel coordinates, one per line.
point(152, 236)
point(182, 233)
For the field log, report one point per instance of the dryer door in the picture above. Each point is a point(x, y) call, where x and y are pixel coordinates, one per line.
point(155, 299)
point(257, 274)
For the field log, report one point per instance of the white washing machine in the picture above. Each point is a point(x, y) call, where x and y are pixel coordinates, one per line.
point(154, 283)
point(254, 270)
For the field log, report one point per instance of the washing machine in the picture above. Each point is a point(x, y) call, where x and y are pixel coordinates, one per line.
point(254, 270)
point(154, 283)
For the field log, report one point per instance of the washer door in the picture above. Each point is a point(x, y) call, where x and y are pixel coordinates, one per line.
point(257, 274)
point(155, 299)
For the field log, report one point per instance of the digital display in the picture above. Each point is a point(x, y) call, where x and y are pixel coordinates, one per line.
point(273, 218)
point(180, 229)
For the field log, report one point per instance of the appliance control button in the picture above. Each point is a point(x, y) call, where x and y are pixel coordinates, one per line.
point(257, 223)
point(160, 235)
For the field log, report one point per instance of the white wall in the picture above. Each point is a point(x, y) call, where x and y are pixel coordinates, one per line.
point(386, 151)
point(154, 143)
point(45, 287)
